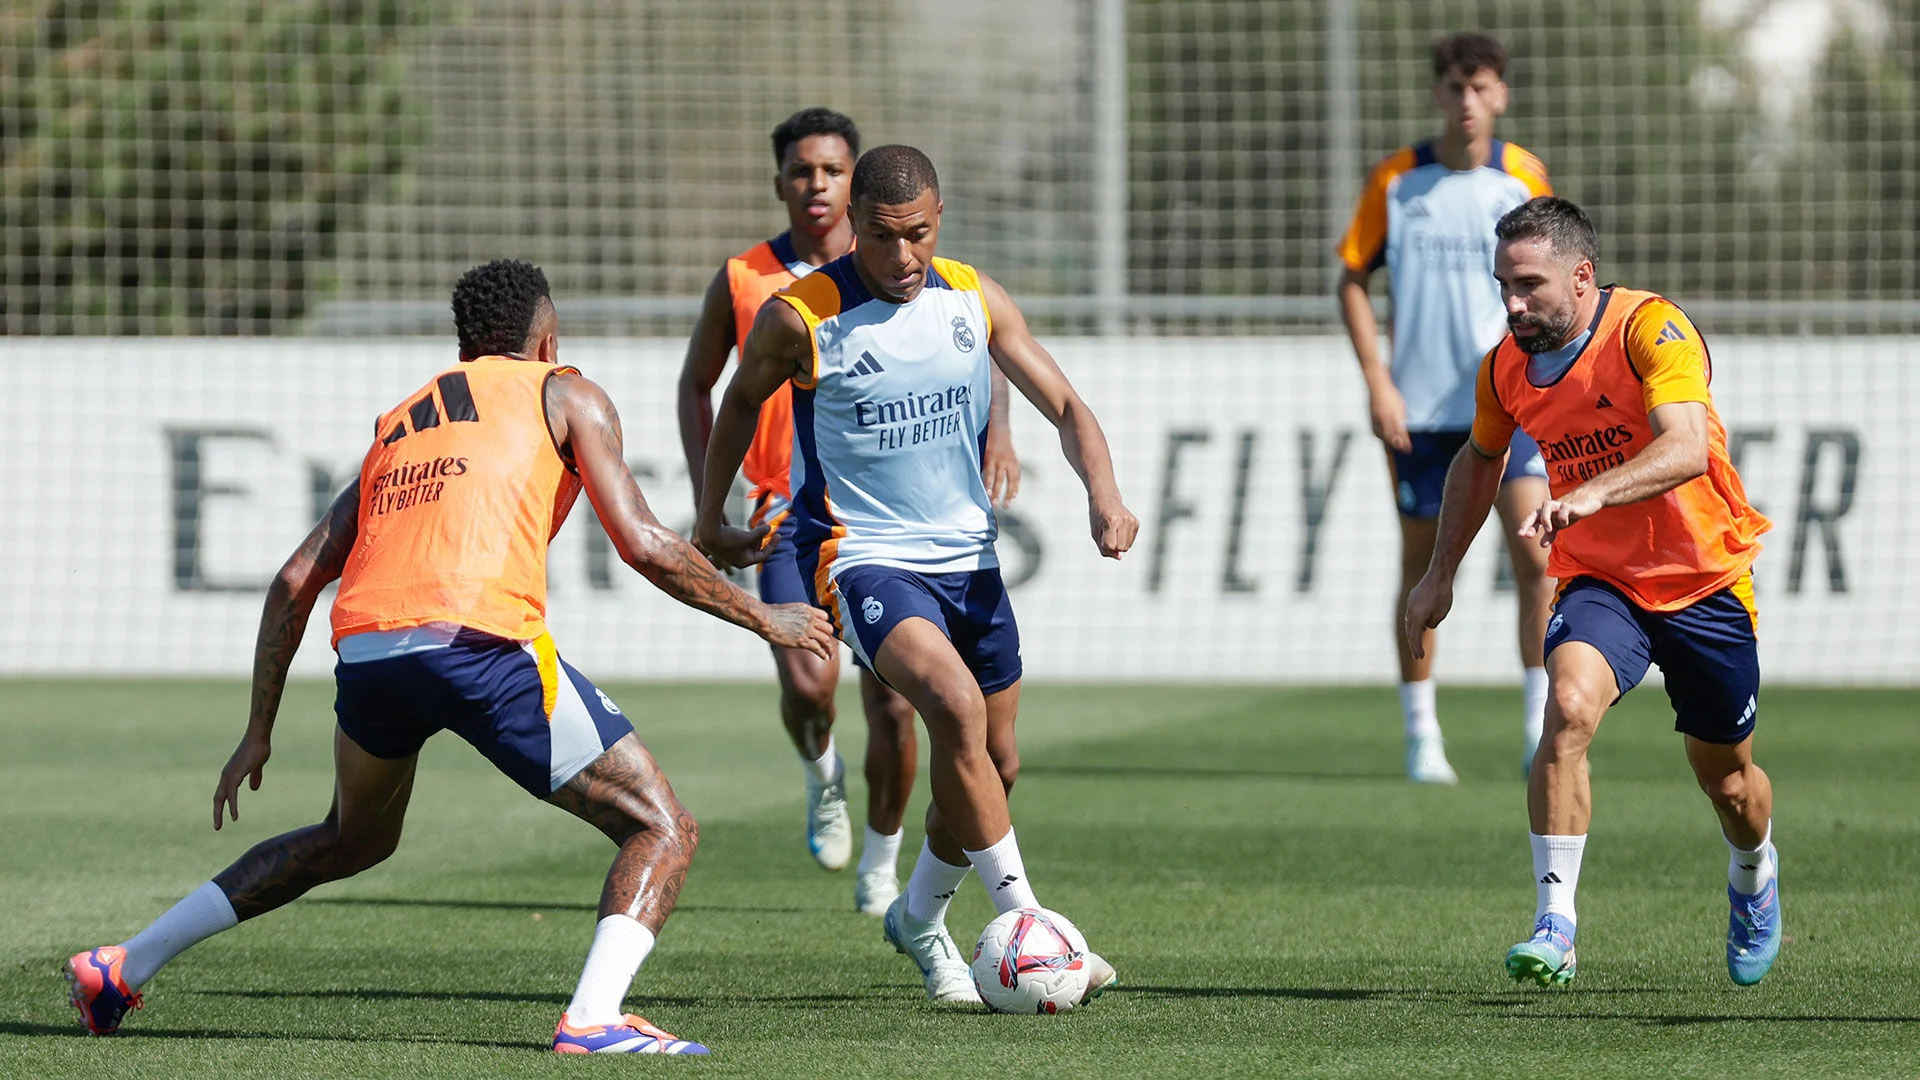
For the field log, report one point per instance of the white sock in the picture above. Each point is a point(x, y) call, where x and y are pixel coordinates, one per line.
point(203, 913)
point(1749, 871)
point(1416, 704)
point(1534, 711)
point(820, 770)
point(1556, 873)
point(1004, 874)
point(620, 946)
point(932, 885)
point(880, 851)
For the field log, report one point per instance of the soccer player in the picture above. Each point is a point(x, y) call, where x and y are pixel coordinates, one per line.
point(887, 350)
point(1427, 215)
point(1652, 539)
point(814, 151)
point(440, 548)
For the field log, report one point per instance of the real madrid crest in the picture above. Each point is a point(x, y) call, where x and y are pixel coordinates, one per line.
point(962, 334)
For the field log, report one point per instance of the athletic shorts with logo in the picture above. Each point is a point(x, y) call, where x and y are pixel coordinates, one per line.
point(536, 718)
point(780, 578)
point(1420, 475)
point(969, 606)
point(1707, 651)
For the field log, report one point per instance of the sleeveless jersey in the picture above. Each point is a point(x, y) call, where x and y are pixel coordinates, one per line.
point(889, 424)
point(1667, 552)
point(1432, 228)
point(752, 276)
point(459, 497)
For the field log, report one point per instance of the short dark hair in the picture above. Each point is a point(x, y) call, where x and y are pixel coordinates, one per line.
point(814, 121)
point(893, 175)
point(1470, 52)
point(494, 305)
point(1564, 226)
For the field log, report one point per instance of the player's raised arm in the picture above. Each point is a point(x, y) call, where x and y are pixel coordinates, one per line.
point(706, 358)
point(1029, 366)
point(283, 622)
point(586, 426)
point(775, 351)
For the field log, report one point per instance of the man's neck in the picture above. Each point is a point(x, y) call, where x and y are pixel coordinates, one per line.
point(1458, 152)
point(819, 250)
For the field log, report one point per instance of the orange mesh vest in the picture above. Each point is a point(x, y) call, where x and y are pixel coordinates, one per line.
point(752, 276)
point(1665, 552)
point(459, 496)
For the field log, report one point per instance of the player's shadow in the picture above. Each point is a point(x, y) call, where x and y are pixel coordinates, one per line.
point(519, 997)
point(528, 905)
point(1199, 772)
point(1701, 1020)
point(22, 1027)
point(1323, 993)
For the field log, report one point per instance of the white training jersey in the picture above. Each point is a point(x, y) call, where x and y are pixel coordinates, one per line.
point(1432, 229)
point(889, 426)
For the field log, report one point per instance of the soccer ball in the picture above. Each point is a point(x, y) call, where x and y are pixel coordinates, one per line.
point(1030, 960)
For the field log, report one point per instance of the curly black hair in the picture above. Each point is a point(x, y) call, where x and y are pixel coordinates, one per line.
point(814, 121)
point(893, 175)
point(494, 305)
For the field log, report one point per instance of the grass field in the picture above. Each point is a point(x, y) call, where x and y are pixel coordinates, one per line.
point(1277, 900)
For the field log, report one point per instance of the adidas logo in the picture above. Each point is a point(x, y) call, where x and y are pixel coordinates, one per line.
point(948, 895)
point(1006, 881)
point(1753, 706)
point(1670, 332)
point(1603, 403)
point(1551, 879)
point(867, 365)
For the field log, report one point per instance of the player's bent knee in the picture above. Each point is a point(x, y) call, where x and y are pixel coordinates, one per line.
point(1008, 766)
point(807, 693)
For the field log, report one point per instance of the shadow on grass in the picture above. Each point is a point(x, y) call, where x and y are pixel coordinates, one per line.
point(1690, 1020)
point(1198, 772)
point(525, 998)
point(526, 905)
point(1320, 993)
point(25, 1028)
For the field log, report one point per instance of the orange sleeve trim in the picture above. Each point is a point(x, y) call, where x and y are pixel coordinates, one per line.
point(1493, 425)
point(1529, 170)
point(817, 298)
point(1365, 244)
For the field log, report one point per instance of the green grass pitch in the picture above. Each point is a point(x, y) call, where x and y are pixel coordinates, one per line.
point(1277, 900)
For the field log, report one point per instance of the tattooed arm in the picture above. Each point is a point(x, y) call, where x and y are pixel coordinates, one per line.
point(283, 622)
point(587, 428)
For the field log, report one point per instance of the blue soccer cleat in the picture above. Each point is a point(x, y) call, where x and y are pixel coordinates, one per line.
point(1753, 929)
point(632, 1035)
point(1547, 956)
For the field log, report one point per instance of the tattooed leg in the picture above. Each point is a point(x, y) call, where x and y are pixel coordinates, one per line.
point(624, 794)
point(361, 829)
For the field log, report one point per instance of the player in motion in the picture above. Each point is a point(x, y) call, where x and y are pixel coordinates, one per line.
point(1427, 215)
point(888, 350)
point(440, 548)
point(1652, 539)
point(814, 150)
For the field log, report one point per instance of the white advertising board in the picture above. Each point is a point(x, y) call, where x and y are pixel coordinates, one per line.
point(151, 487)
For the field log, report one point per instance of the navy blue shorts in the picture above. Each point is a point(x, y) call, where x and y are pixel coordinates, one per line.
point(969, 606)
point(532, 715)
point(1708, 651)
point(1420, 475)
point(780, 580)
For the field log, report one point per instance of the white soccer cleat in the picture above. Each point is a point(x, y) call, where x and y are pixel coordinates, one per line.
point(874, 891)
point(829, 825)
point(1100, 977)
point(927, 944)
point(1427, 761)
